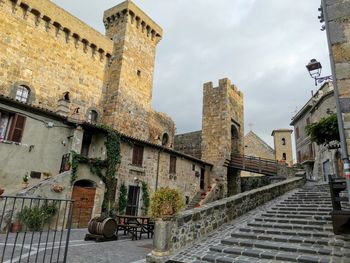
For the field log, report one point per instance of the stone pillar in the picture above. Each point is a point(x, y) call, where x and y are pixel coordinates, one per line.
point(77, 139)
point(161, 242)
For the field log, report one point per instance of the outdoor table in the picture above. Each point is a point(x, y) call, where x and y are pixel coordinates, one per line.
point(134, 225)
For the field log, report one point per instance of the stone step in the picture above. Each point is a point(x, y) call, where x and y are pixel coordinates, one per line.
point(324, 241)
point(298, 232)
point(221, 257)
point(305, 205)
point(285, 212)
point(261, 253)
point(293, 221)
point(294, 248)
point(291, 226)
point(297, 216)
point(301, 209)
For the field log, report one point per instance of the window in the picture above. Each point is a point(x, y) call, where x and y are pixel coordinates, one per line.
point(308, 121)
point(284, 156)
point(172, 167)
point(11, 126)
point(193, 167)
point(22, 93)
point(137, 155)
point(299, 157)
point(92, 117)
point(85, 146)
point(66, 96)
point(165, 139)
point(297, 132)
point(283, 141)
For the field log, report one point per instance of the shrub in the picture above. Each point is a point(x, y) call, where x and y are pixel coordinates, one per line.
point(123, 200)
point(166, 202)
point(35, 218)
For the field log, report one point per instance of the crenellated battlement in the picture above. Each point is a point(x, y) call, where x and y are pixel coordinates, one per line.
point(224, 84)
point(130, 13)
point(63, 23)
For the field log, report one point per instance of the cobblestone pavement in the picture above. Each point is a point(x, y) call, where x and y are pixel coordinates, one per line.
point(121, 251)
point(295, 227)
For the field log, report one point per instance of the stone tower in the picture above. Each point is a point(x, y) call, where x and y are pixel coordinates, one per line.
point(223, 131)
point(282, 139)
point(129, 80)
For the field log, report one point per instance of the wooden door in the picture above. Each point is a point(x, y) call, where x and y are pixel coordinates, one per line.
point(133, 200)
point(84, 198)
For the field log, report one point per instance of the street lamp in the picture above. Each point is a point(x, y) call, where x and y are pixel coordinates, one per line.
point(314, 67)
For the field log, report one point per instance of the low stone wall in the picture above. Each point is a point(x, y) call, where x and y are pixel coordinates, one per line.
point(191, 225)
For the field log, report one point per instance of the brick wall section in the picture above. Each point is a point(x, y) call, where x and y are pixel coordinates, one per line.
point(41, 46)
point(194, 224)
point(189, 143)
point(339, 27)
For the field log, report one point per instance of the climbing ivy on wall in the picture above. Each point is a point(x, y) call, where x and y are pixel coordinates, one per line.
point(109, 165)
point(145, 198)
point(122, 200)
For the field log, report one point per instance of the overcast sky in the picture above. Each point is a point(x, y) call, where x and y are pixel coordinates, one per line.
point(261, 45)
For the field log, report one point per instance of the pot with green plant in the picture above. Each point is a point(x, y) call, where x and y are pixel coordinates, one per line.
point(165, 204)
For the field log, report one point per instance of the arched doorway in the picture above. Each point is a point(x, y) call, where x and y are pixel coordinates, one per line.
point(233, 175)
point(84, 198)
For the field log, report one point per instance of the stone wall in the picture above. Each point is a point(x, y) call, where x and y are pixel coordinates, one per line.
point(223, 130)
point(189, 143)
point(52, 52)
point(339, 30)
point(192, 225)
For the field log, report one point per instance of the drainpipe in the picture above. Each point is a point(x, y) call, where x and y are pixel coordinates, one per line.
point(157, 175)
point(344, 148)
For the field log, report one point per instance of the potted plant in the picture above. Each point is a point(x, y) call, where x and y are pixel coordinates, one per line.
point(16, 226)
point(25, 181)
point(165, 203)
point(2, 191)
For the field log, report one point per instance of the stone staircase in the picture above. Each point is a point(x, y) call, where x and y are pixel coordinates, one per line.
point(194, 202)
point(297, 229)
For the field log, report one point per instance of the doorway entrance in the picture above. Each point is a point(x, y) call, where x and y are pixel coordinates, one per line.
point(84, 199)
point(133, 200)
point(202, 179)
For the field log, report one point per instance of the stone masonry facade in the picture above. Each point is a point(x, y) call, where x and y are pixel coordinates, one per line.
point(339, 28)
point(54, 54)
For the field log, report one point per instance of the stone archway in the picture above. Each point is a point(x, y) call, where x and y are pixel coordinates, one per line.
point(233, 175)
point(83, 195)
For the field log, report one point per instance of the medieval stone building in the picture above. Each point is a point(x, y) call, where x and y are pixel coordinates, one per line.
point(60, 80)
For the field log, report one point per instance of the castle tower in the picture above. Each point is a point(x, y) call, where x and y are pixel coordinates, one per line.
point(129, 79)
point(282, 139)
point(223, 131)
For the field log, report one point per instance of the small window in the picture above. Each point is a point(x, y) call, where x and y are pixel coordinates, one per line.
point(11, 126)
point(165, 139)
point(299, 157)
point(66, 96)
point(139, 73)
point(284, 156)
point(283, 141)
point(137, 155)
point(22, 94)
point(93, 116)
point(193, 167)
point(297, 132)
point(85, 146)
point(307, 121)
point(172, 167)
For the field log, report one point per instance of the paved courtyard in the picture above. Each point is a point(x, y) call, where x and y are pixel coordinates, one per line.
point(120, 251)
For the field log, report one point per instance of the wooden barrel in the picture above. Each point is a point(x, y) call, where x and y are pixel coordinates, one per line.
point(102, 226)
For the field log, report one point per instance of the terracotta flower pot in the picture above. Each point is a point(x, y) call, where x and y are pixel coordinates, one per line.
point(16, 227)
point(2, 191)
